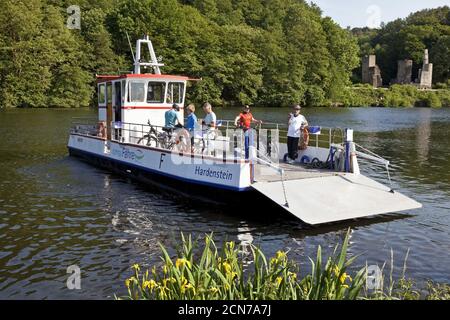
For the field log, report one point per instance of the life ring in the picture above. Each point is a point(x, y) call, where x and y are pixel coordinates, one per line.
point(304, 139)
point(101, 129)
point(182, 140)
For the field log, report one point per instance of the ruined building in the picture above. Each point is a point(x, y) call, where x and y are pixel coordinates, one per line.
point(404, 71)
point(425, 78)
point(371, 72)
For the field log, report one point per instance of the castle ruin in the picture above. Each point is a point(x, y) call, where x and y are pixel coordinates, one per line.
point(425, 78)
point(371, 72)
point(404, 71)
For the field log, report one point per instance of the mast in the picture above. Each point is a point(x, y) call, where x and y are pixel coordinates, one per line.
point(138, 62)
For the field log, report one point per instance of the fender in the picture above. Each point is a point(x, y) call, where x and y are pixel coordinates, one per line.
point(304, 139)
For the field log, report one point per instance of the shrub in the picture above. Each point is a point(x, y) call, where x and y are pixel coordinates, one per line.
point(224, 275)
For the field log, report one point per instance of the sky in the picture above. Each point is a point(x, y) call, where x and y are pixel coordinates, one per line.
point(370, 13)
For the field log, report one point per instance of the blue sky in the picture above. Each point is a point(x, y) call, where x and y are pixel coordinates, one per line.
point(361, 13)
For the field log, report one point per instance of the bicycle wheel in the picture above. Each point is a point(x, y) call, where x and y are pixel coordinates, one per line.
point(144, 138)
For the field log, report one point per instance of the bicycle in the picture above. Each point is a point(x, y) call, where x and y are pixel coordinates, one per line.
point(169, 138)
point(151, 136)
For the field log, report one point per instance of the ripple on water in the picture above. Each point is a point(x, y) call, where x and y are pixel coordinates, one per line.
point(57, 211)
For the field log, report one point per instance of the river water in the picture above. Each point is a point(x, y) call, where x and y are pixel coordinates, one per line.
point(56, 211)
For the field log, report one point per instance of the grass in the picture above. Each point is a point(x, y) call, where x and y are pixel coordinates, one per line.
point(237, 273)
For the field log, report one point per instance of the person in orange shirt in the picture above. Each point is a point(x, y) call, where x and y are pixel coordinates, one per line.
point(244, 121)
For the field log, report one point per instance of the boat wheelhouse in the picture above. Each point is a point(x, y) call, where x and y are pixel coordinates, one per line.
point(129, 137)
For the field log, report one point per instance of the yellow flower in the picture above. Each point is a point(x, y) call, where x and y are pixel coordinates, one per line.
point(171, 280)
point(343, 277)
point(281, 255)
point(230, 245)
point(162, 292)
point(182, 262)
point(136, 267)
point(127, 283)
point(336, 271)
point(292, 275)
point(345, 286)
point(189, 286)
point(273, 261)
point(227, 267)
point(150, 284)
point(233, 275)
point(214, 290)
point(279, 280)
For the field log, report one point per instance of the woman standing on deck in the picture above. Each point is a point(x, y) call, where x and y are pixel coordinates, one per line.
point(296, 122)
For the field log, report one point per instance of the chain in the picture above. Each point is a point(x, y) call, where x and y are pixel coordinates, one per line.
point(284, 189)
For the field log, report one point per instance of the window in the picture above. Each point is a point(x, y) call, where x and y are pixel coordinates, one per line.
point(155, 93)
point(109, 92)
point(175, 92)
point(137, 91)
point(101, 94)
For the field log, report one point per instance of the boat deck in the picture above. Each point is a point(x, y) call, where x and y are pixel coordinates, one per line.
point(296, 171)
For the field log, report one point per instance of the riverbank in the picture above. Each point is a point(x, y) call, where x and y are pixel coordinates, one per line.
point(244, 272)
point(394, 96)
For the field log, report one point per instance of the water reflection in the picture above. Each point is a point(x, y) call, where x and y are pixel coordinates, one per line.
point(423, 136)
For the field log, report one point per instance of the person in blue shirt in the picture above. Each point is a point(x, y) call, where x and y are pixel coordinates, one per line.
point(191, 123)
point(172, 117)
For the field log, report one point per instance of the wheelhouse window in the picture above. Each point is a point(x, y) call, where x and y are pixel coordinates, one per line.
point(155, 92)
point(109, 92)
point(137, 91)
point(175, 92)
point(101, 94)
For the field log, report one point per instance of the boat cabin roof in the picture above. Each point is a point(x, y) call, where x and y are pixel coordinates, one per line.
point(106, 78)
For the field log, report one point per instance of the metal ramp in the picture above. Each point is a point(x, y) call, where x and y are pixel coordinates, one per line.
point(330, 198)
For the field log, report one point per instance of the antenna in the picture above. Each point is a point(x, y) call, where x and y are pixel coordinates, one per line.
point(131, 48)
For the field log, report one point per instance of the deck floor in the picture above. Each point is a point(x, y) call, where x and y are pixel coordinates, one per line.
point(263, 173)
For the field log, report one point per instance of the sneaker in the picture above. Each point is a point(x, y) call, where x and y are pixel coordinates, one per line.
point(289, 161)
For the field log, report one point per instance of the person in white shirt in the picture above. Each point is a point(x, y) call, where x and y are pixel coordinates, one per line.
point(296, 123)
point(209, 123)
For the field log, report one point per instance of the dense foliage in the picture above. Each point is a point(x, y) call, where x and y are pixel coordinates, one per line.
point(266, 52)
point(407, 39)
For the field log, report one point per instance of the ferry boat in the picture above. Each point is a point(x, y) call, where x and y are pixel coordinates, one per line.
point(224, 163)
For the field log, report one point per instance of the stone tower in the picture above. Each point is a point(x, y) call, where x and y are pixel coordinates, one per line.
point(371, 72)
point(425, 78)
point(404, 71)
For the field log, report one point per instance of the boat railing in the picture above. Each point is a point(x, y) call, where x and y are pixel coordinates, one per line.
point(323, 137)
point(223, 141)
point(86, 126)
point(209, 141)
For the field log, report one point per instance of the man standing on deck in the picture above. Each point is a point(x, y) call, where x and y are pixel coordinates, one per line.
point(244, 121)
point(173, 118)
point(296, 122)
point(208, 126)
point(210, 120)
